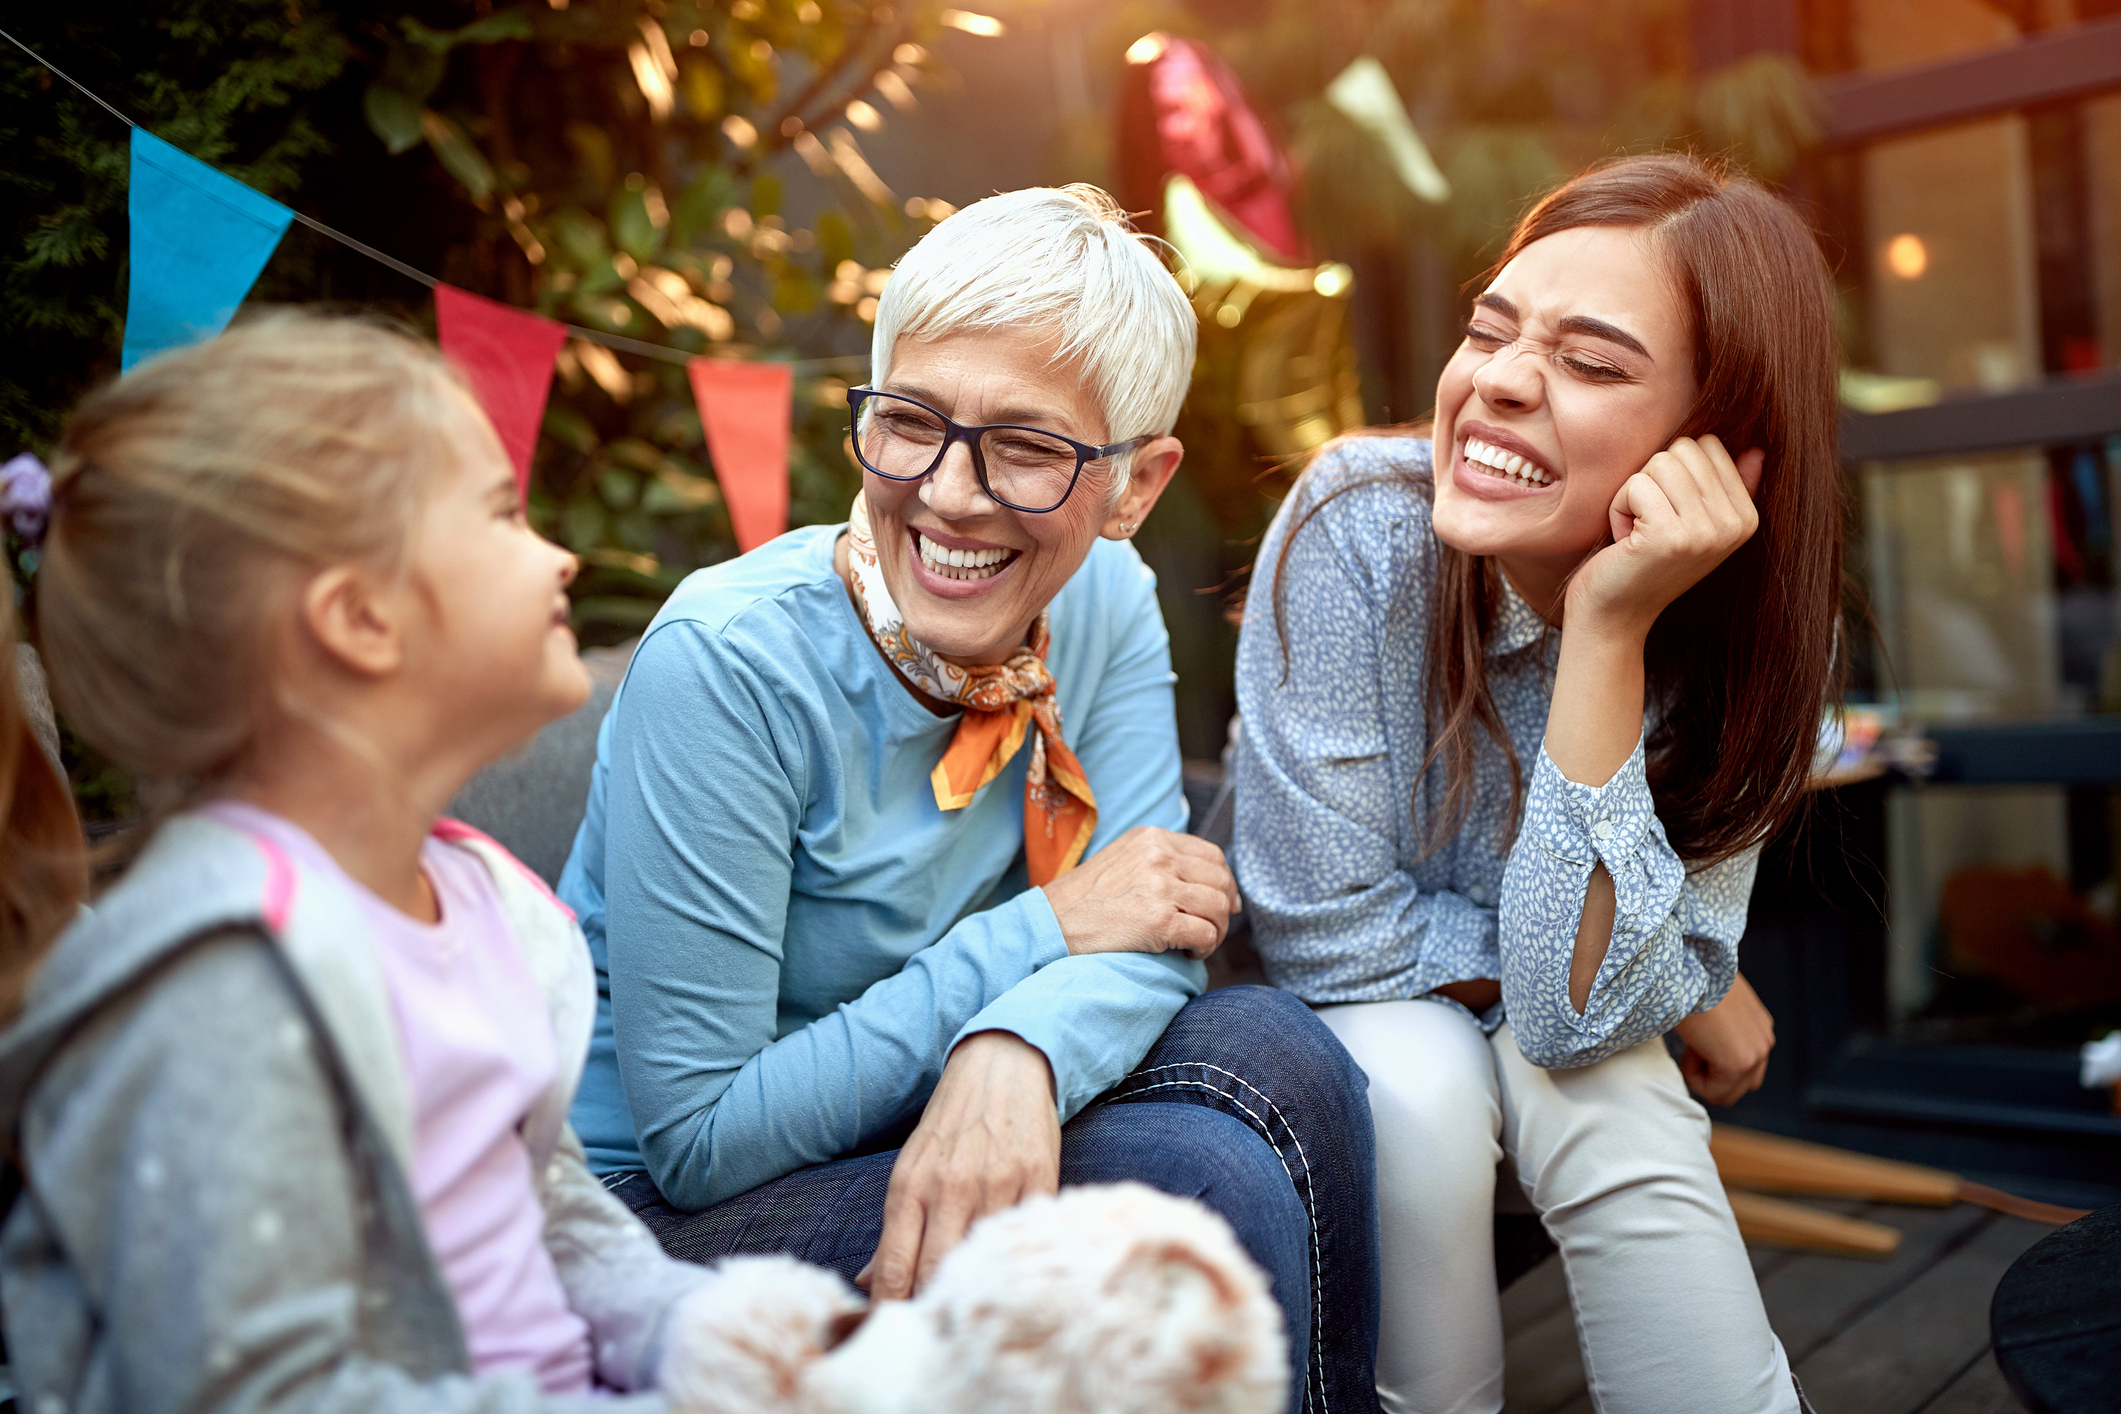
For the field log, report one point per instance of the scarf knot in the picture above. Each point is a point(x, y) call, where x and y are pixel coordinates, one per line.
point(1005, 704)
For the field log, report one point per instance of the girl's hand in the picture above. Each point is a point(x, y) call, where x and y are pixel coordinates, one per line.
point(1727, 1046)
point(1674, 521)
point(989, 1138)
point(1150, 890)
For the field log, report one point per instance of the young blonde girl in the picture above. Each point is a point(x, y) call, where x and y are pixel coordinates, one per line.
point(1521, 700)
point(290, 1105)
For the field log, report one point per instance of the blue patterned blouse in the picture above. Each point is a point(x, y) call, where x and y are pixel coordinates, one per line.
point(1328, 848)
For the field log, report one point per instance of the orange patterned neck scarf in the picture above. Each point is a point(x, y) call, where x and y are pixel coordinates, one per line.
point(1003, 703)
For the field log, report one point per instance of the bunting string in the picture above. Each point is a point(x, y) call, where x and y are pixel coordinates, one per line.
point(842, 363)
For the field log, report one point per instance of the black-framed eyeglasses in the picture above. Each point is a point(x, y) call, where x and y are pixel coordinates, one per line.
point(1031, 469)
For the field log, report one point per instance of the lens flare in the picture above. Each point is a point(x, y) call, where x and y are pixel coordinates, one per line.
point(1907, 257)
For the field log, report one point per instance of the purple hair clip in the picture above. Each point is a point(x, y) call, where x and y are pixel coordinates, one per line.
point(26, 495)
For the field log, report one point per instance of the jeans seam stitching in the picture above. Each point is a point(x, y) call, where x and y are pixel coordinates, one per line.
point(1310, 1214)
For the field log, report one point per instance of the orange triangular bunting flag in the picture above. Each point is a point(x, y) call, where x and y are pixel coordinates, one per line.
point(507, 356)
point(746, 410)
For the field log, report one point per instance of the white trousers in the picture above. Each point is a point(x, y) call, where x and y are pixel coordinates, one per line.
point(1614, 1157)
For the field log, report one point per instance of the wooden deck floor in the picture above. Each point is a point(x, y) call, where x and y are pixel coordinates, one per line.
point(1907, 1335)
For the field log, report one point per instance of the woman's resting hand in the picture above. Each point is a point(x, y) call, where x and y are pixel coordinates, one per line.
point(1672, 522)
point(989, 1138)
point(1150, 890)
point(1727, 1046)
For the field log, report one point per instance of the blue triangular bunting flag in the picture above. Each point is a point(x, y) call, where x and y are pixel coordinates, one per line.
point(199, 241)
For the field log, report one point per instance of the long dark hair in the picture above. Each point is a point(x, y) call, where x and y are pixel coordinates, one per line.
point(1739, 667)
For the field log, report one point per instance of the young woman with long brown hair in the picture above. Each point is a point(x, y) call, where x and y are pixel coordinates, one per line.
point(1521, 701)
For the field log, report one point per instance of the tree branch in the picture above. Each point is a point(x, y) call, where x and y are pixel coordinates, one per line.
point(774, 140)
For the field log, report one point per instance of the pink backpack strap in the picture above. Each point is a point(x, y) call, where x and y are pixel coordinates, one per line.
point(456, 831)
point(279, 898)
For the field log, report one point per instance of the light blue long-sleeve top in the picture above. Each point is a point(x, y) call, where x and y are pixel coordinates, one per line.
point(1328, 849)
point(789, 934)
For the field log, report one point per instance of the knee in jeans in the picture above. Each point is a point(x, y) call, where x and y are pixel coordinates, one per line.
point(1245, 1164)
point(1243, 1178)
point(1287, 1037)
point(1198, 1152)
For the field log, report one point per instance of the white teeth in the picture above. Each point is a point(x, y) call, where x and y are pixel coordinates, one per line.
point(1503, 463)
point(962, 564)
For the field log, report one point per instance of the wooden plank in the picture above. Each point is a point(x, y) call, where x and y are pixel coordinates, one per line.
point(2071, 62)
point(1814, 1297)
point(1906, 1350)
point(2078, 408)
point(1978, 1390)
point(1769, 1260)
point(1772, 1163)
point(1772, 1222)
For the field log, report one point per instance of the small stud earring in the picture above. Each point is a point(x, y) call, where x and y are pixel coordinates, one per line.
point(1127, 527)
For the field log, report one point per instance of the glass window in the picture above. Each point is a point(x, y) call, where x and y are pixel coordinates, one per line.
point(2002, 913)
point(1979, 258)
point(1993, 593)
point(1961, 576)
point(1954, 292)
point(2102, 153)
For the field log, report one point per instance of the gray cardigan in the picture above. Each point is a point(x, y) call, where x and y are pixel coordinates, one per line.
point(214, 1129)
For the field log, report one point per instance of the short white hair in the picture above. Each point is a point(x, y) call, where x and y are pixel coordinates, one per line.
point(1066, 259)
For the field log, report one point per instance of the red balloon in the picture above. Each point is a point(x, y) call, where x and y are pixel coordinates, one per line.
point(1184, 112)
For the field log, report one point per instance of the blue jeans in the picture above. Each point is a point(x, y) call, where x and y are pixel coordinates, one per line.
point(1246, 1103)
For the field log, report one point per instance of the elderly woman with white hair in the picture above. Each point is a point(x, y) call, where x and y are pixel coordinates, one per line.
point(883, 867)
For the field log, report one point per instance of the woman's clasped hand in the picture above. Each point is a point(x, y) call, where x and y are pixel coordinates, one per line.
point(1151, 890)
point(1673, 522)
point(1727, 1046)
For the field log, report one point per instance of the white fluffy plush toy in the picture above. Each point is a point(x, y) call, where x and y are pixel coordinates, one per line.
point(1114, 1299)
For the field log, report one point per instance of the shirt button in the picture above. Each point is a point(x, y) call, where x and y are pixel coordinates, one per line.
point(1602, 832)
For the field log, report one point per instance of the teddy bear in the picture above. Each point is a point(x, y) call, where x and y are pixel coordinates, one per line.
point(1103, 1299)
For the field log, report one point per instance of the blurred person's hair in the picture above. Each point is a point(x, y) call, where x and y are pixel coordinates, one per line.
point(43, 864)
point(189, 501)
point(1740, 666)
point(1064, 260)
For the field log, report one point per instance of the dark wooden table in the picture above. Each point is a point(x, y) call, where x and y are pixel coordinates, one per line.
point(2056, 1321)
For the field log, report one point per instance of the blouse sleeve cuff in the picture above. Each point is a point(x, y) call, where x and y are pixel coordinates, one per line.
point(1586, 824)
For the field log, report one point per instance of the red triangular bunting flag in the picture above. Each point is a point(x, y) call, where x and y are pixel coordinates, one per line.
point(507, 356)
point(747, 410)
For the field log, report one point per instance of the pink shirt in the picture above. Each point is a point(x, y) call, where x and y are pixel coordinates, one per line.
point(477, 1043)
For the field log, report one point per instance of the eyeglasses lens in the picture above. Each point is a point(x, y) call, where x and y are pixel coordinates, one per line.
point(1025, 468)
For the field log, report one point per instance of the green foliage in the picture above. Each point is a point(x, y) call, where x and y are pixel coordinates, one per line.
point(226, 80)
point(1763, 111)
point(628, 166)
point(619, 159)
point(528, 153)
